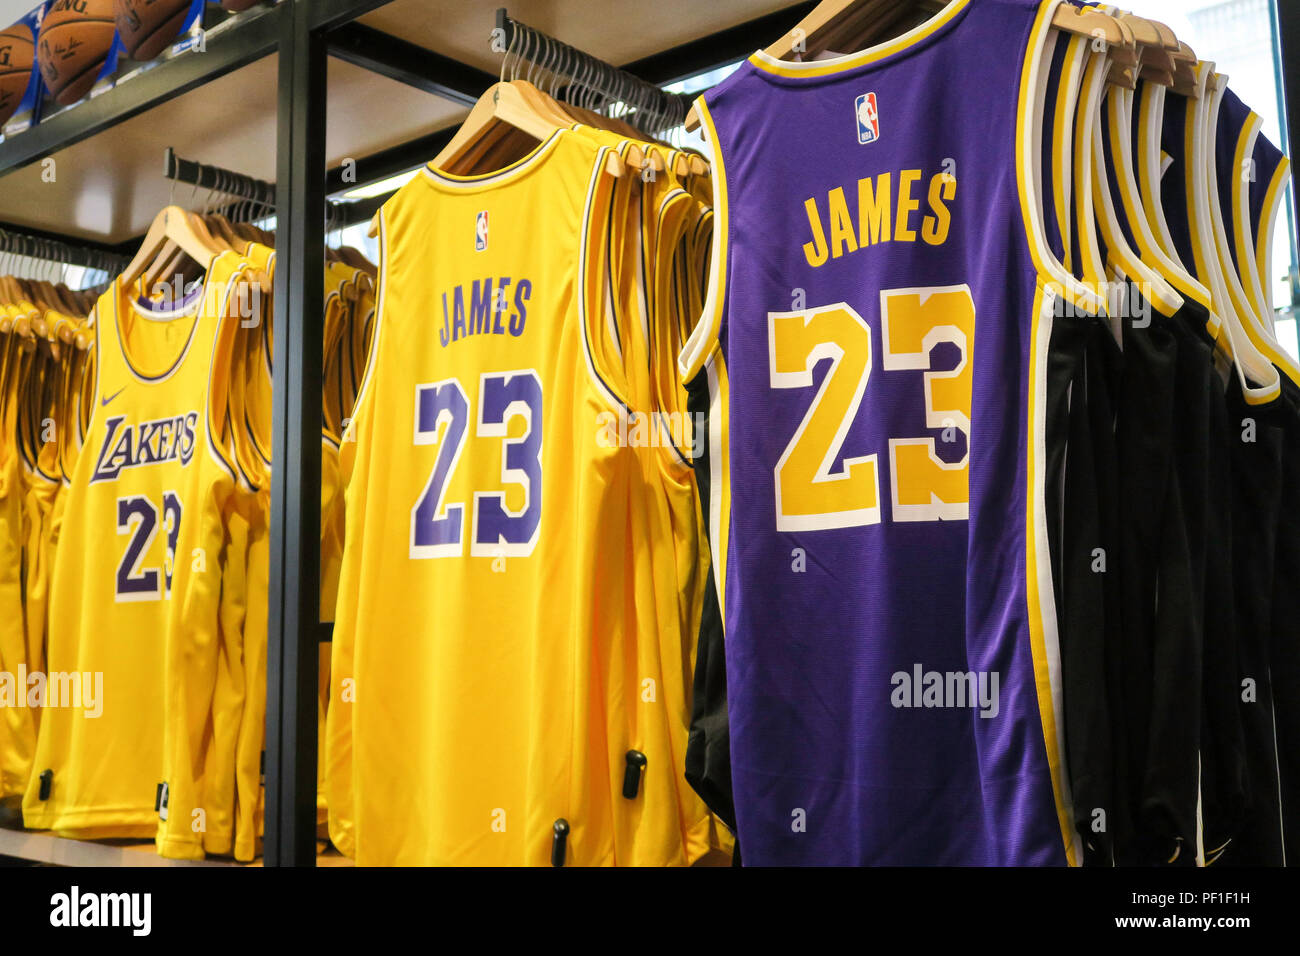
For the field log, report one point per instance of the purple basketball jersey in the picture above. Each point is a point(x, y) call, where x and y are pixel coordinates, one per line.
point(874, 346)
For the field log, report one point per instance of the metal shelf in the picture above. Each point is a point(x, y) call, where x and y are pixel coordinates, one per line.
point(42, 847)
point(240, 42)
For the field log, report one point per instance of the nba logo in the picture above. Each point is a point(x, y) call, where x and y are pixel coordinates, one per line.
point(868, 118)
point(480, 231)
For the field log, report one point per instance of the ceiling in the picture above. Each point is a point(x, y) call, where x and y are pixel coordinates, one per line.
point(617, 31)
point(109, 187)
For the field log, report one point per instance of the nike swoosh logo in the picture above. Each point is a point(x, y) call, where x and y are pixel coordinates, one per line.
point(105, 401)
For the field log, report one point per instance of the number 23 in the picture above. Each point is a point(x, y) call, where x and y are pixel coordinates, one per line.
point(812, 497)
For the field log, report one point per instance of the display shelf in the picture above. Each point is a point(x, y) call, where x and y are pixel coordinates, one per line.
point(109, 186)
point(41, 847)
point(237, 42)
point(618, 33)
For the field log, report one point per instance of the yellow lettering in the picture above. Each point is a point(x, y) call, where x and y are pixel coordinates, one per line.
point(906, 205)
point(815, 252)
point(873, 210)
point(841, 225)
point(934, 229)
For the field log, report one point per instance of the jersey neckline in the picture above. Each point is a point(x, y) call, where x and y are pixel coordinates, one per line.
point(871, 55)
point(497, 177)
point(192, 308)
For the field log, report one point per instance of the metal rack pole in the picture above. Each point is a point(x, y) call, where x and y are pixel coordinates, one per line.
point(294, 598)
point(37, 244)
point(587, 72)
point(214, 177)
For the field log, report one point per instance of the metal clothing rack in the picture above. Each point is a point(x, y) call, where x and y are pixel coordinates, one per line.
point(585, 80)
point(256, 193)
point(255, 198)
point(45, 248)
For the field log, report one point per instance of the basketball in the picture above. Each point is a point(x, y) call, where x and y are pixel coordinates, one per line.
point(75, 40)
point(17, 54)
point(235, 6)
point(147, 26)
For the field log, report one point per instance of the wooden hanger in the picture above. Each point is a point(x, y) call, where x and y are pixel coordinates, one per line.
point(1125, 56)
point(502, 103)
point(358, 261)
point(174, 226)
point(1185, 61)
point(223, 229)
point(501, 144)
point(501, 151)
point(1154, 61)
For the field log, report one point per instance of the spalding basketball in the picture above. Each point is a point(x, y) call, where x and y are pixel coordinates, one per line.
point(147, 26)
point(235, 6)
point(17, 56)
point(75, 40)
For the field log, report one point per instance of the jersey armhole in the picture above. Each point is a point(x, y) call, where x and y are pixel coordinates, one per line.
point(1243, 156)
point(713, 372)
point(89, 389)
point(1034, 82)
point(703, 340)
point(594, 296)
point(364, 389)
point(1273, 200)
point(220, 383)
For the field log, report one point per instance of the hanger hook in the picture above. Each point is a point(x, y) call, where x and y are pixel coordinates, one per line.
point(552, 59)
point(562, 76)
point(525, 55)
point(534, 48)
point(588, 82)
point(505, 54)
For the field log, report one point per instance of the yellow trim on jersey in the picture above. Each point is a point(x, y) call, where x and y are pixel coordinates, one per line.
point(1204, 229)
point(1152, 106)
point(1252, 321)
point(1249, 301)
point(1029, 172)
point(591, 295)
point(1267, 223)
point(1093, 269)
point(719, 439)
point(349, 437)
point(1143, 206)
point(1190, 129)
point(1067, 98)
point(1122, 258)
point(1241, 216)
point(1044, 639)
point(771, 64)
point(703, 340)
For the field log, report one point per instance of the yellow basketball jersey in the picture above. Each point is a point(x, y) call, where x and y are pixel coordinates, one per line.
point(17, 719)
point(99, 752)
point(487, 681)
point(250, 421)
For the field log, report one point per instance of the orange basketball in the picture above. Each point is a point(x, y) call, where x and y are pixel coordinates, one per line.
point(17, 56)
point(147, 26)
point(75, 40)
